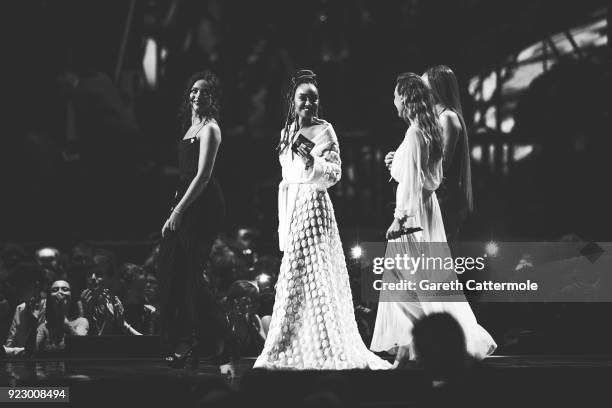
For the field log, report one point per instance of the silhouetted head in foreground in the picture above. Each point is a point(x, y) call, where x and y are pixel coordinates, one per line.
point(439, 344)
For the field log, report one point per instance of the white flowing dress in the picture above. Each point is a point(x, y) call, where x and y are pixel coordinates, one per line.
point(416, 200)
point(313, 322)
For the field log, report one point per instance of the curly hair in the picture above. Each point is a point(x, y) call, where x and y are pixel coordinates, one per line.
point(418, 103)
point(302, 76)
point(212, 88)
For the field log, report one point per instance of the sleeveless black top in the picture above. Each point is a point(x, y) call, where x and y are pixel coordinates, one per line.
point(449, 193)
point(209, 205)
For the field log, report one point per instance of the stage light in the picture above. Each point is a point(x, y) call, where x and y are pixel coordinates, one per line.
point(263, 278)
point(507, 125)
point(149, 62)
point(47, 252)
point(356, 252)
point(477, 153)
point(492, 249)
point(521, 152)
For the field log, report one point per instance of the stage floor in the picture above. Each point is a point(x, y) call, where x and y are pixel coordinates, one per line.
point(99, 382)
point(31, 371)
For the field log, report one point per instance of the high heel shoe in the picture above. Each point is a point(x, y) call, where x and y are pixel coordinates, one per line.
point(193, 354)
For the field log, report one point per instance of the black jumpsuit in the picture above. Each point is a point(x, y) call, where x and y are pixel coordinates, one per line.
point(189, 311)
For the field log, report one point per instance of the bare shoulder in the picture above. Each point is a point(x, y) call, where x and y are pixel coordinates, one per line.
point(449, 119)
point(213, 127)
point(211, 133)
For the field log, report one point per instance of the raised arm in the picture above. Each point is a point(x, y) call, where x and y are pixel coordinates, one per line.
point(327, 166)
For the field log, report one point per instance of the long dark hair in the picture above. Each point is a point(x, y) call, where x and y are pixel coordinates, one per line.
point(302, 76)
point(213, 87)
point(445, 89)
point(419, 108)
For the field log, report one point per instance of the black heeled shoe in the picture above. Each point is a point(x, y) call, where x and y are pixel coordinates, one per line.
point(192, 354)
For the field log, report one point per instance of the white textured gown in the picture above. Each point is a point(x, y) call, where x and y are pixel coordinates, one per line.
point(416, 199)
point(313, 322)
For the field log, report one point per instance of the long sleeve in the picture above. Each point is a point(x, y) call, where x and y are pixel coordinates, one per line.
point(24, 325)
point(12, 339)
point(327, 168)
point(406, 169)
point(41, 337)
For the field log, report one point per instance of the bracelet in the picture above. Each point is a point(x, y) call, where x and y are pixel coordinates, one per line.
point(177, 211)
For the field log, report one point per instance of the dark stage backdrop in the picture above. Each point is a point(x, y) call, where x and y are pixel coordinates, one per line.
point(89, 145)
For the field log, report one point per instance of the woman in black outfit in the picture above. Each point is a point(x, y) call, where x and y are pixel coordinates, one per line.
point(455, 192)
point(191, 319)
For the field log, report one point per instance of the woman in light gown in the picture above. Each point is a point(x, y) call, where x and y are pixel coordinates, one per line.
point(313, 322)
point(455, 192)
point(417, 167)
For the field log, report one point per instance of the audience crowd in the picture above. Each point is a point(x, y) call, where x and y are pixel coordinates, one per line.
point(48, 295)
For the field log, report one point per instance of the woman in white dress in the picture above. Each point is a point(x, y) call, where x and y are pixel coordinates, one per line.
point(417, 167)
point(313, 322)
point(455, 192)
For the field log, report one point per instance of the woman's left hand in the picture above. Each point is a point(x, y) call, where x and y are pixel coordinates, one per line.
point(389, 159)
point(394, 230)
point(172, 223)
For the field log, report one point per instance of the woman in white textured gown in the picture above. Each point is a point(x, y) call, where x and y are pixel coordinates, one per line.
point(313, 323)
point(417, 167)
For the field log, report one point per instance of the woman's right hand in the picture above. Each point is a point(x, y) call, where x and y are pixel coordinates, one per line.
point(395, 229)
point(172, 222)
point(306, 157)
point(389, 159)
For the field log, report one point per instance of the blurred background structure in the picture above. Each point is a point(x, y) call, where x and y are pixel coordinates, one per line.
point(94, 87)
